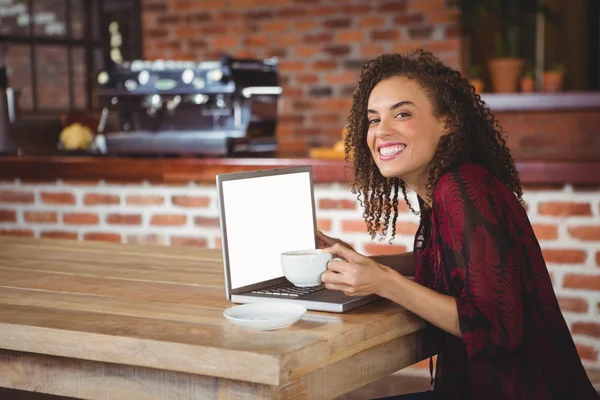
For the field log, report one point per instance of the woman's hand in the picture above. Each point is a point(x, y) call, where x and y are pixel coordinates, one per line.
point(324, 241)
point(355, 275)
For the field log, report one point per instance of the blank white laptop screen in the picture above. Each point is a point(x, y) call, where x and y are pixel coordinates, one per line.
point(265, 216)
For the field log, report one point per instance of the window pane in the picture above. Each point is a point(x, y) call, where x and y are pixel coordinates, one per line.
point(77, 19)
point(18, 60)
point(94, 4)
point(52, 77)
point(14, 17)
point(79, 77)
point(49, 18)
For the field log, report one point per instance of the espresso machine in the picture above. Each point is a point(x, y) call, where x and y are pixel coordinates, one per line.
point(208, 108)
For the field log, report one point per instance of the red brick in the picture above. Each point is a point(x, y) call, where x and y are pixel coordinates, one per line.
point(190, 201)
point(257, 40)
point(586, 328)
point(388, 34)
point(188, 241)
point(317, 38)
point(124, 219)
point(376, 249)
point(305, 25)
point(168, 220)
point(324, 64)
point(324, 224)
point(190, 32)
point(579, 281)
point(16, 232)
point(81, 219)
point(307, 79)
point(290, 39)
point(218, 243)
point(407, 19)
point(406, 228)
point(13, 196)
point(598, 258)
point(40, 217)
point(565, 209)
point(392, 6)
point(372, 21)
point(325, 10)
point(275, 26)
point(58, 235)
point(340, 78)
point(585, 233)
point(357, 9)
point(350, 36)
point(564, 256)
point(337, 23)
point(305, 51)
point(586, 352)
point(354, 226)
point(573, 304)
point(207, 222)
point(138, 200)
point(8, 216)
point(337, 50)
point(291, 65)
point(102, 237)
point(441, 46)
point(545, 231)
point(225, 42)
point(94, 199)
point(291, 12)
point(325, 119)
point(337, 204)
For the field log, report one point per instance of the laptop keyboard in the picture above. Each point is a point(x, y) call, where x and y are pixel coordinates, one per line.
point(289, 290)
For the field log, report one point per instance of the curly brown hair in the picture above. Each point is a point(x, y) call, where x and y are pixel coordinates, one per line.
point(475, 135)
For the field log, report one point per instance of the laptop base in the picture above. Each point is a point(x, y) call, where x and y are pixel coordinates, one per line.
point(327, 300)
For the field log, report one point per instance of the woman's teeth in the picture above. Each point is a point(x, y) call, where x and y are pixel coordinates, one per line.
point(391, 150)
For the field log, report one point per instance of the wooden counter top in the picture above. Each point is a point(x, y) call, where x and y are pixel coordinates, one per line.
point(101, 320)
point(46, 168)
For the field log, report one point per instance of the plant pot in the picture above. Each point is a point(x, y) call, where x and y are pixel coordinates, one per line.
point(478, 84)
point(527, 85)
point(505, 73)
point(552, 81)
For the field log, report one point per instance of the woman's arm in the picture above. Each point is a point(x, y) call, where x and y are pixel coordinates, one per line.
point(404, 263)
point(360, 275)
point(439, 309)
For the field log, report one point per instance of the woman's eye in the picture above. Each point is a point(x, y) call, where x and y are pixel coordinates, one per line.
point(402, 115)
point(373, 121)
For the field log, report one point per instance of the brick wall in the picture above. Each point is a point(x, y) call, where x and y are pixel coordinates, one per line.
point(321, 45)
point(566, 220)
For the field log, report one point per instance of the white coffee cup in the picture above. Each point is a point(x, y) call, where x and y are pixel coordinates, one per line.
point(304, 267)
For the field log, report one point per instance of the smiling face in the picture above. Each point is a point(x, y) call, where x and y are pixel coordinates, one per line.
point(403, 132)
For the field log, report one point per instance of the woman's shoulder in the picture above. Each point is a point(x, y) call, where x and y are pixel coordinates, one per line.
point(464, 173)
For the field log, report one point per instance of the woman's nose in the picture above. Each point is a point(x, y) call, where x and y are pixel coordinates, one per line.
point(383, 129)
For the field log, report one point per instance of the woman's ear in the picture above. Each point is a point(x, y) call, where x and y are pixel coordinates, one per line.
point(446, 125)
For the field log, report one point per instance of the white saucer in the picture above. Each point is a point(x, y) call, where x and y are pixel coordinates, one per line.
point(265, 316)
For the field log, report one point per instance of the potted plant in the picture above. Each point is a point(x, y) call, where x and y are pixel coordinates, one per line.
point(505, 19)
point(553, 78)
point(528, 80)
point(475, 79)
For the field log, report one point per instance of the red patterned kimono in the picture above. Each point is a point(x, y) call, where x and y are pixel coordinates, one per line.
point(476, 244)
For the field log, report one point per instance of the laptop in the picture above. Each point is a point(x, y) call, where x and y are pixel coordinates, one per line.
point(262, 214)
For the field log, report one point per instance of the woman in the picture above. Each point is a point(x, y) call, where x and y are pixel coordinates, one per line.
point(479, 275)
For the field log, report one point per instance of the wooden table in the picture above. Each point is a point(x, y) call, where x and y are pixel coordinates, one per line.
point(107, 321)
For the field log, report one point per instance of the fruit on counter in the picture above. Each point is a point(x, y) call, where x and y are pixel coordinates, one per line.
point(339, 146)
point(76, 137)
